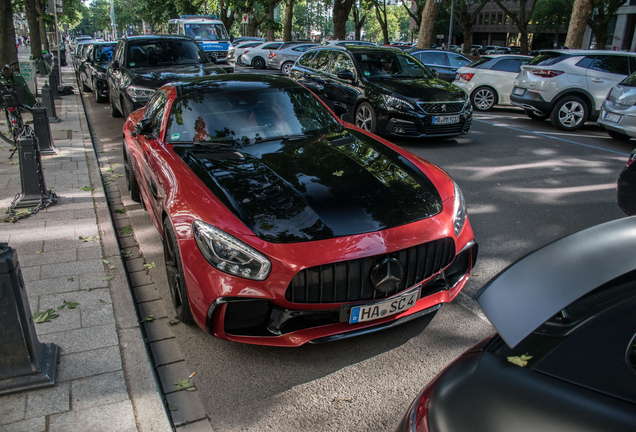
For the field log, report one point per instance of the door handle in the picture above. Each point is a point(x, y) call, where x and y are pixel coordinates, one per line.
point(597, 80)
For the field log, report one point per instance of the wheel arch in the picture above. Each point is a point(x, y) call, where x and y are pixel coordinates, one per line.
point(583, 95)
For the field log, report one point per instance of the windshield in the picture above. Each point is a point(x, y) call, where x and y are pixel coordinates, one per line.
point(389, 64)
point(206, 32)
point(104, 53)
point(163, 53)
point(548, 59)
point(242, 117)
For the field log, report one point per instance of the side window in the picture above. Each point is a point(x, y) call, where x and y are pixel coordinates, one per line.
point(155, 110)
point(436, 58)
point(632, 64)
point(321, 60)
point(274, 46)
point(611, 64)
point(342, 61)
point(306, 59)
point(507, 65)
point(586, 61)
point(457, 61)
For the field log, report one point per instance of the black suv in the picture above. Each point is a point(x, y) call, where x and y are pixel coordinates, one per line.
point(384, 91)
point(142, 64)
point(92, 69)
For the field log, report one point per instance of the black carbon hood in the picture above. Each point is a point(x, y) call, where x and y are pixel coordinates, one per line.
point(315, 188)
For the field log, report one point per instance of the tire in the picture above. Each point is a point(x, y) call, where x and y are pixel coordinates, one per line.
point(536, 116)
point(85, 88)
point(484, 98)
point(258, 63)
point(286, 67)
point(131, 179)
point(569, 114)
point(365, 117)
point(98, 97)
point(174, 272)
point(113, 109)
point(124, 109)
point(239, 61)
point(619, 136)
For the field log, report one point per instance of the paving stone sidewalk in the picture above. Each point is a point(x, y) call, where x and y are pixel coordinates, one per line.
point(105, 381)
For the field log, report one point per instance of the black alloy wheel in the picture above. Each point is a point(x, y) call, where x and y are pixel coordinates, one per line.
point(114, 112)
point(131, 179)
point(258, 63)
point(365, 117)
point(98, 97)
point(174, 272)
point(124, 108)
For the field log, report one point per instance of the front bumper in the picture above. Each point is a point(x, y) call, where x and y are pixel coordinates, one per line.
point(420, 125)
point(626, 124)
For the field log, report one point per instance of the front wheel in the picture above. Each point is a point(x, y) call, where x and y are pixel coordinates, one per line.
point(98, 97)
point(131, 179)
point(483, 99)
point(569, 114)
point(113, 109)
point(286, 68)
point(365, 117)
point(258, 63)
point(174, 272)
point(536, 116)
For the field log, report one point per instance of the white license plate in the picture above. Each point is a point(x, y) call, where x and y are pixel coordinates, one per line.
point(519, 91)
point(614, 118)
point(440, 120)
point(385, 308)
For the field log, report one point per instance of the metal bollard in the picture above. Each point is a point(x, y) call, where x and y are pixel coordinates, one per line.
point(49, 103)
point(42, 129)
point(53, 84)
point(25, 362)
point(34, 191)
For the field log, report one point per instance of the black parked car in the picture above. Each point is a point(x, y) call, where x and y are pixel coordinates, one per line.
point(384, 91)
point(445, 63)
point(142, 64)
point(78, 56)
point(626, 187)
point(564, 358)
point(92, 69)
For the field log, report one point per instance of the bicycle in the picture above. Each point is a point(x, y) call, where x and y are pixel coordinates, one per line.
point(15, 95)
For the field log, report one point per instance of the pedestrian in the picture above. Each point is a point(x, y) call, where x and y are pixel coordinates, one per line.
point(17, 43)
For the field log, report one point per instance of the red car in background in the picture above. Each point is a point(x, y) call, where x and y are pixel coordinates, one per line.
point(282, 225)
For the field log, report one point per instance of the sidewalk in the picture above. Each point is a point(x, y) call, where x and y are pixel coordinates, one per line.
point(69, 253)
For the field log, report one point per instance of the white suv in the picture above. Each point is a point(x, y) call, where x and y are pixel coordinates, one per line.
point(569, 86)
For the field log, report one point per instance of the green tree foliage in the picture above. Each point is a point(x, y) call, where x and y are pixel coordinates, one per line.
point(551, 15)
point(397, 25)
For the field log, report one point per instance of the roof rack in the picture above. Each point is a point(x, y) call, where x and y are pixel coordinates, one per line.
point(198, 16)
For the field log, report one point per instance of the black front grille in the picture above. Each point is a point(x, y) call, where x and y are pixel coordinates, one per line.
point(349, 281)
point(457, 128)
point(442, 108)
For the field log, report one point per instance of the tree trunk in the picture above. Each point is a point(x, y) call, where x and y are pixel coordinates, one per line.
point(8, 53)
point(429, 15)
point(601, 39)
point(39, 7)
point(289, 21)
point(270, 16)
point(34, 29)
point(523, 40)
point(468, 41)
point(341, 11)
point(227, 18)
point(578, 21)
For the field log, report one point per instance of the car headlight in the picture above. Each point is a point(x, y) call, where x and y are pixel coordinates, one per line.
point(139, 93)
point(459, 211)
point(228, 254)
point(393, 102)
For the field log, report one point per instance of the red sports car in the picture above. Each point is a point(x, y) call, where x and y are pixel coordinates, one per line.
point(283, 225)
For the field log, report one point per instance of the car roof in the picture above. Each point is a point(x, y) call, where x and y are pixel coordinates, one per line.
point(582, 52)
point(532, 290)
point(158, 36)
point(232, 82)
point(494, 56)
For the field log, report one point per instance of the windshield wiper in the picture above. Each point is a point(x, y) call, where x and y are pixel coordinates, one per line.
point(281, 138)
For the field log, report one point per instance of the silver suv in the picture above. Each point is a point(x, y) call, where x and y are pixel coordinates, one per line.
point(569, 86)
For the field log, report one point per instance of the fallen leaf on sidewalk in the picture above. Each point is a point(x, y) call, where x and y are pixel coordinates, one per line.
point(105, 261)
point(120, 211)
point(125, 230)
point(172, 407)
point(46, 316)
point(150, 266)
point(147, 319)
point(107, 278)
point(88, 188)
point(185, 384)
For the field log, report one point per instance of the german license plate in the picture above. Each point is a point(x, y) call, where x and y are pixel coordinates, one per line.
point(440, 120)
point(385, 308)
point(614, 118)
point(519, 91)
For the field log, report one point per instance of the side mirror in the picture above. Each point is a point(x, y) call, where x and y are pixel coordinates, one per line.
point(345, 75)
point(144, 127)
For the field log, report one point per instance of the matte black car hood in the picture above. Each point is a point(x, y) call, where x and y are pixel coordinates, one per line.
point(430, 90)
point(315, 188)
point(153, 77)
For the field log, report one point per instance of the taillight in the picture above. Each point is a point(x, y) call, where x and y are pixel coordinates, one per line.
point(418, 421)
point(271, 55)
point(546, 73)
point(11, 109)
point(246, 51)
point(467, 76)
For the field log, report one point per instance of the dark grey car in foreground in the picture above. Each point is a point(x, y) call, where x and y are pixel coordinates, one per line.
point(565, 355)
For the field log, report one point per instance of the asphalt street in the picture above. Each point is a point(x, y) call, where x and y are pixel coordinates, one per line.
point(525, 184)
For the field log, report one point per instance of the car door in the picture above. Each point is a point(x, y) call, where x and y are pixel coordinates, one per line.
point(313, 77)
point(151, 182)
point(114, 75)
point(500, 76)
point(604, 73)
point(342, 94)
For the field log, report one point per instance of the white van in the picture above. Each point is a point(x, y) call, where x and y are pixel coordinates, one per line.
point(210, 33)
